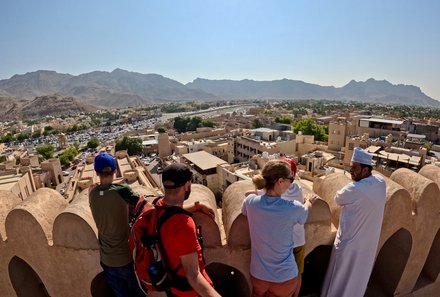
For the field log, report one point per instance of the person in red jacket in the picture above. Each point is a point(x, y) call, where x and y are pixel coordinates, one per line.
point(179, 237)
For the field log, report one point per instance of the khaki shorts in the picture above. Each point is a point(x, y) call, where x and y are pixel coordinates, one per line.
point(299, 253)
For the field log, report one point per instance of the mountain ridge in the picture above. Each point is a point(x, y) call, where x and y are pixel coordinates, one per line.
point(48, 105)
point(125, 88)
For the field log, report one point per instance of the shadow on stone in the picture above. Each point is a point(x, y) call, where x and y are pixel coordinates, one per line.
point(227, 280)
point(25, 280)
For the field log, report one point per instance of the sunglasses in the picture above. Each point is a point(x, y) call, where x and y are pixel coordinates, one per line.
point(291, 178)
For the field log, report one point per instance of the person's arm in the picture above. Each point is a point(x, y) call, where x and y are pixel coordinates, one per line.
point(250, 192)
point(309, 200)
point(197, 206)
point(346, 195)
point(190, 264)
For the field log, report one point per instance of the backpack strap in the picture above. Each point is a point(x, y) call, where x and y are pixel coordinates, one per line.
point(179, 282)
point(138, 212)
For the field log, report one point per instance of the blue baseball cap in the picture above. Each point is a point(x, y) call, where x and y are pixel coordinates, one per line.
point(103, 161)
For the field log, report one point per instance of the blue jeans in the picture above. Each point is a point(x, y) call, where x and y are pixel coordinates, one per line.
point(122, 280)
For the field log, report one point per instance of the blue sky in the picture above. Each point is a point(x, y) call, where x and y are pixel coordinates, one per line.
point(323, 42)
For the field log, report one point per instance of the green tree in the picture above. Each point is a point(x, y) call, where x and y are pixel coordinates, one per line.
point(283, 119)
point(93, 143)
point(76, 144)
point(36, 134)
point(194, 123)
point(132, 145)
point(68, 155)
point(48, 130)
point(161, 130)
point(207, 123)
point(22, 136)
point(180, 124)
point(64, 160)
point(46, 151)
point(310, 127)
point(7, 138)
point(257, 124)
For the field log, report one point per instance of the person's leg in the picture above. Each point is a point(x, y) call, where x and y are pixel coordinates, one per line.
point(123, 281)
point(134, 288)
point(259, 287)
point(299, 253)
point(114, 279)
point(298, 287)
point(284, 289)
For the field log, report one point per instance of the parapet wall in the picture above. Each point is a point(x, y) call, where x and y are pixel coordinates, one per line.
point(49, 247)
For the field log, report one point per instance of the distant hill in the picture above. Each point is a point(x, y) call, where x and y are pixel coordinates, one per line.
point(116, 88)
point(54, 105)
point(124, 88)
point(372, 91)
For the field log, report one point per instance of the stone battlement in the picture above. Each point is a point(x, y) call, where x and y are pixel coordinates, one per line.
point(49, 247)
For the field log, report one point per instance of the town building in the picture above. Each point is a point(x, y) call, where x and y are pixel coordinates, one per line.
point(205, 169)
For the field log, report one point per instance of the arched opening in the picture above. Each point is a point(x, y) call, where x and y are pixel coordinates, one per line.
point(25, 280)
point(60, 179)
point(100, 287)
point(228, 281)
point(431, 269)
point(389, 265)
point(315, 267)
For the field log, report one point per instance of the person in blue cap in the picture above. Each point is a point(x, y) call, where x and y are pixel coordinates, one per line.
point(109, 205)
point(360, 223)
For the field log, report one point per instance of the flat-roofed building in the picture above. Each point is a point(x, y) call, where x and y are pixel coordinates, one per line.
point(205, 169)
point(21, 185)
point(431, 132)
point(376, 127)
point(218, 148)
point(246, 148)
point(201, 133)
point(265, 134)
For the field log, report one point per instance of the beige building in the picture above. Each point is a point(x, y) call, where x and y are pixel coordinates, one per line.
point(53, 166)
point(163, 142)
point(218, 148)
point(201, 133)
point(30, 160)
point(337, 132)
point(304, 144)
point(246, 148)
point(205, 169)
point(20, 185)
point(376, 127)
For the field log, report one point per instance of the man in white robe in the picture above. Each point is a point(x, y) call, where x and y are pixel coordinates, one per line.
point(354, 249)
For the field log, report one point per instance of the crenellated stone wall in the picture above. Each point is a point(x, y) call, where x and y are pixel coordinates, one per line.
point(49, 247)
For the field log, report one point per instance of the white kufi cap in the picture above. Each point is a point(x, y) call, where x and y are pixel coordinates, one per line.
point(362, 156)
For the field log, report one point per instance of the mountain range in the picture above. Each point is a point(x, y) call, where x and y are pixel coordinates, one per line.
point(124, 88)
point(49, 105)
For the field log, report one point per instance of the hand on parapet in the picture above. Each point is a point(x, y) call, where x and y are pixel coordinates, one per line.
point(206, 210)
point(311, 197)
